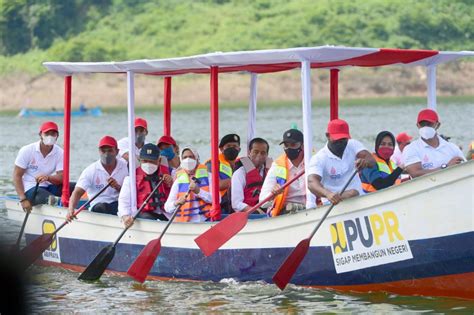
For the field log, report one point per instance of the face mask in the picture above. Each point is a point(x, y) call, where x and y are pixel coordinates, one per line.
point(427, 132)
point(140, 138)
point(49, 140)
point(188, 164)
point(168, 153)
point(292, 154)
point(149, 168)
point(337, 147)
point(107, 158)
point(385, 153)
point(231, 153)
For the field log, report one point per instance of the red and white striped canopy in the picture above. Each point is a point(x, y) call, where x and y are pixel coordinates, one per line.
point(265, 61)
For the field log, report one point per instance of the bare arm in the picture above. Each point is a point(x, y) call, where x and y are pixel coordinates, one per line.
point(415, 169)
point(315, 186)
point(75, 197)
point(18, 173)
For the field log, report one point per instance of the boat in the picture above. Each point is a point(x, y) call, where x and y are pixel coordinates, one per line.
point(26, 112)
point(416, 238)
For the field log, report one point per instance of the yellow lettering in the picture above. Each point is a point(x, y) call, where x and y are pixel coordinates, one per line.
point(392, 229)
point(338, 237)
point(377, 225)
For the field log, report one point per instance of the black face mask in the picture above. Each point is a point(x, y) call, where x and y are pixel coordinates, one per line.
point(231, 153)
point(338, 147)
point(292, 154)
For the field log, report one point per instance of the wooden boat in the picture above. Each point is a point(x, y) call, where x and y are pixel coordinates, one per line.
point(416, 238)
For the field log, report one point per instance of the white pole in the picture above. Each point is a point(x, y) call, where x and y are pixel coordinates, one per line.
point(307, 127)
point(252, 108)
point(431, 84)
point(131, 139)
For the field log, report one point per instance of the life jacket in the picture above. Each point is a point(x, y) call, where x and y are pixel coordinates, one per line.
point(281, 173)
point(186, 210)
point(471, 150)
point(146, 184)
point(253, 180)
point(384, 168)
point(224, 168)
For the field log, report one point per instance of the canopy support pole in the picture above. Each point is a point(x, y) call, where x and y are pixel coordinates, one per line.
point(251, 128)
point(431, 84)
point(334, 111)
point(67, 139)
point(307, 126)
point(131, 139)
point(167, 107)
point(216, 207)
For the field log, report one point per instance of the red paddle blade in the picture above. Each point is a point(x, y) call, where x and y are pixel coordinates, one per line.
point(292, 262)
point(219, 234)
point(144, 262)
point(33, 251)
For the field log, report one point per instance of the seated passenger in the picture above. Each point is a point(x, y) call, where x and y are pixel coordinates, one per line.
point(403, 139)
point(430, 152)
point(385, 173)
point(285, 167)
point(169, 150)
point(148, 175)
point(331, 168)
point(141, 131)
point(39, 162)
point(192, 177)
point(249, 174)
point(108, 169)
point(230, 148)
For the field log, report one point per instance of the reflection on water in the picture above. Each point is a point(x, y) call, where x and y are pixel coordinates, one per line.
point(58, 290)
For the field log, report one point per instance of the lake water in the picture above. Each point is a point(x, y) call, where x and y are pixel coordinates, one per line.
point(57, 290)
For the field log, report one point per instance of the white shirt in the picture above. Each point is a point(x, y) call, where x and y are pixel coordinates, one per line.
point(334, 171)
point(34, 163)
point(95, 177)
point(430, 158)
point(123, 147)
point(297, 189)
point(397, 156)
point(239, 180)
point(204, 195)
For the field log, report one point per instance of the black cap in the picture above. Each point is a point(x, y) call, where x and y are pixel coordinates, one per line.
point(292, 136)
point(229, 138)
point(150, 151)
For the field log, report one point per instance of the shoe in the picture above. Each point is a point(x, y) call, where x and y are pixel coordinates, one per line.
point(53, 200)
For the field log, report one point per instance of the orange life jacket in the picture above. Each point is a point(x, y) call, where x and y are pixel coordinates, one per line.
point(282, 171)
point(384, 168)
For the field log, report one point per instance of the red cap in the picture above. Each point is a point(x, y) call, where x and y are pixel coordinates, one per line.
point(108, 141)
point(338, 129)
point(403, 137)
point(427, 115)
point(167, 140)
point(140, 122)
point(49, 125)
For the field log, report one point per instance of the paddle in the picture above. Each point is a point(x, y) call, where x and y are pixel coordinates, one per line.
point(144, 262)
point(292, 262)
point(219, 234)
point(97, 267)
point(16, 247)
point(32, 251)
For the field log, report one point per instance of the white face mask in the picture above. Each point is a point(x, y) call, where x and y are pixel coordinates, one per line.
point(49, 140)
point(188, 164)
point(427, 132)
point(149, 168)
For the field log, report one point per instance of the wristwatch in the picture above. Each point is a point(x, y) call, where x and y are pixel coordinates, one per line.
point(443, 166)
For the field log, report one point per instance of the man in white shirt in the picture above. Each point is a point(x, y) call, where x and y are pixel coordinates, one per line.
point(402, 139)
point(108, 169)
point(249, 174)
point(284, 168)
point(333, 165)
point(141, 131)
point(41, 162)
point(430, 152)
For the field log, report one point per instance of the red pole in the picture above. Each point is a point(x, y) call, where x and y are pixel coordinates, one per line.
point(167, 107)
point(216, 207)
point(67, 139)
point(334, 94)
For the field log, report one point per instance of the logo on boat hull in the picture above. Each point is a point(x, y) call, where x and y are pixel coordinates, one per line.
point(52, 253)
point(367, 240)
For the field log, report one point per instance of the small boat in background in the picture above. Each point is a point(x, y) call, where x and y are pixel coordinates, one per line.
point(83, 111)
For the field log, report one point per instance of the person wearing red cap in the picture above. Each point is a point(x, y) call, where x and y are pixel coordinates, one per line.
point(430, 152)
point(108, 169)
point(39, 162)
point(333, 165)
point(402, 139)
point(141, 131)
point(169, 150)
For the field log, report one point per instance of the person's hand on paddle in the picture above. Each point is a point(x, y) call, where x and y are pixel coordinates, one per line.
point(42, 178)
point(26, 205)
point(114, 184)
point(168, 180)
point(70, 215)
point(455, 160)
point(127, 220)
point(180, 201)
point(194, 187)
point(362, 163)
point(334, 198)
point(276, 190)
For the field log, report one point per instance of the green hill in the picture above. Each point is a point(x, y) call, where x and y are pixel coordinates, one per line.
point(104, 30)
